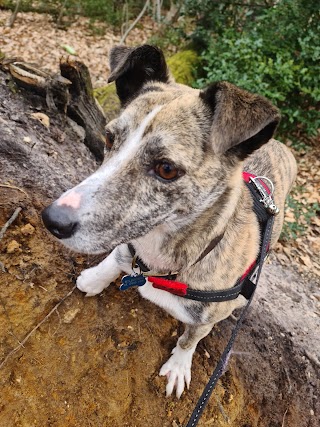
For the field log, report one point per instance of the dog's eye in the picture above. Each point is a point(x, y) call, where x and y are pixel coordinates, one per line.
point(109, 139)
point(167, 171)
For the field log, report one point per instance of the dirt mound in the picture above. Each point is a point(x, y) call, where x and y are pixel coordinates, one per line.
point(95, 361)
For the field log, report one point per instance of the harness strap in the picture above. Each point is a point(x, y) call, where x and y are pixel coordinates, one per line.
point(168, 282)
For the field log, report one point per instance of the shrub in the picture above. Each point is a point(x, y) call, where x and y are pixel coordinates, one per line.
point(274, 51)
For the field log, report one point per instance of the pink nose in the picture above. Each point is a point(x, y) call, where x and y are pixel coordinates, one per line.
point(71, 199)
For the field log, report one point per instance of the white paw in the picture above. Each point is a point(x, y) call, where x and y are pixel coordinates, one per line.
point(178, 370)
point(91, 282)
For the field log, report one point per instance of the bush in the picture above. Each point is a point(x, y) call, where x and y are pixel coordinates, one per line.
point(274, 51)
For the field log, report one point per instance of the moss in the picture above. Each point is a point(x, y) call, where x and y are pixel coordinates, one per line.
point(182, 66)
point(109, 101)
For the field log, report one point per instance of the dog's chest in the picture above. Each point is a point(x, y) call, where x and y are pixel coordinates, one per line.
point(151, 249)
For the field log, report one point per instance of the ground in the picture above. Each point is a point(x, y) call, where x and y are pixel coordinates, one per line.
point(67, 360)
point(95, 361)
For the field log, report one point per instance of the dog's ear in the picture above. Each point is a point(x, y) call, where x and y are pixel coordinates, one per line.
point(241, 121)
point(131, 68)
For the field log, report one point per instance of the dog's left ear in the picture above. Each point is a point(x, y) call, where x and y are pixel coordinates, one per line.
point(242, 121)
point(131, 68)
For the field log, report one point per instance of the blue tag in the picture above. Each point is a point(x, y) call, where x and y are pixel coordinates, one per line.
point(130, 281)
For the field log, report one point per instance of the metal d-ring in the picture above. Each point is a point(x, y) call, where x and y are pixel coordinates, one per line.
point(266, 179)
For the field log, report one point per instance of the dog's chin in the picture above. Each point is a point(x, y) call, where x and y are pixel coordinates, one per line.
point(87, 248)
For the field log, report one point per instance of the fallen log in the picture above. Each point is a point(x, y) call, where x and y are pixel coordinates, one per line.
point(69, 93)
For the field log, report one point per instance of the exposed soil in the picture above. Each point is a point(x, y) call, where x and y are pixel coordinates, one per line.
point(95, 361)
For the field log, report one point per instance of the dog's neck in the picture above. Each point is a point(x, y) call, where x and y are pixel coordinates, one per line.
point(175, 246)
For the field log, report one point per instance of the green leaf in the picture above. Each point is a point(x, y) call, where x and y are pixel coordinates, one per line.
point(69, 49)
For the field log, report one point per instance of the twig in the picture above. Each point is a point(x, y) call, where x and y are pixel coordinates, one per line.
point(225, 416)
point(9, 222)
point(14, 188)
point(35, 328)
point(14, 15)
point(134, 23)
point(125, 18)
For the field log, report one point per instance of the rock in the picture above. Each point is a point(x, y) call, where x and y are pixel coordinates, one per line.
point(13, 246)
point(27, 229)
point(70, 315)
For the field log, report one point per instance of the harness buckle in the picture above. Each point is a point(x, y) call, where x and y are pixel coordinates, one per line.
point(266, 197)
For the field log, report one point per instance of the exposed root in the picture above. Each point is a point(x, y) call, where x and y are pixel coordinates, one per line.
point(283, 419)
point(22, 343)
point(14, 188)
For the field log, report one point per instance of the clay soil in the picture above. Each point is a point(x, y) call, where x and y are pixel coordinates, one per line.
point(71, 361)
point(94, 361)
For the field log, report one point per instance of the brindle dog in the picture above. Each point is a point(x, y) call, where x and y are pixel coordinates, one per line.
point(171, 181)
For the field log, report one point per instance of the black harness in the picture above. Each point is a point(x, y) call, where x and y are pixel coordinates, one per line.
point(265, 210)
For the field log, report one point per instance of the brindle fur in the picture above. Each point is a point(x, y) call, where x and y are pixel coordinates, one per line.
point(213, 136)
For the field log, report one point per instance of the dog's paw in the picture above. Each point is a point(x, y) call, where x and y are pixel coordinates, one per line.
point(91, 282)
point(178, 370)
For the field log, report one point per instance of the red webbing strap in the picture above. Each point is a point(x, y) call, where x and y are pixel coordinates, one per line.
point(176, 288)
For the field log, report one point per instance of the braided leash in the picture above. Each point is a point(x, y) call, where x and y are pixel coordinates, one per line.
point(220, 368)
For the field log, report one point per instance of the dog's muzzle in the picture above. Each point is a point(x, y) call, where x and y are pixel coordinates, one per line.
point(60, 220)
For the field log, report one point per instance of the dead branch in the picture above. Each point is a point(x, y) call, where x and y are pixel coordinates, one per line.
point(71, 93)
point(9, 222)
point(14, 15)
point(22, 343)
point(146, 5)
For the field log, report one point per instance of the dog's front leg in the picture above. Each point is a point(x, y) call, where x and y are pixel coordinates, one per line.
point(95, 279)
point(178, 367)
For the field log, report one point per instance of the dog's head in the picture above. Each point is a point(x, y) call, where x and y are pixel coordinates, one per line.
point(169, 155)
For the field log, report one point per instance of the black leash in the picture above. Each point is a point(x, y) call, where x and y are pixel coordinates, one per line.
point(220, 368)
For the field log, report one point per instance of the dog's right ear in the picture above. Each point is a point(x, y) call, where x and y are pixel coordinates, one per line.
point(131, 68)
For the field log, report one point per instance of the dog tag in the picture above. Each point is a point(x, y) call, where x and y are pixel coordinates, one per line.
point(130, 281)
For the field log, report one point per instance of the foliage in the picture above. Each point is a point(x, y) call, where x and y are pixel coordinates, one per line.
point(302, 213)
point(274, 51)
point(109, 101)
point(182, 66)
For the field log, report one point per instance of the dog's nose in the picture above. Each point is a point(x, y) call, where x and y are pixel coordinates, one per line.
point(59, 220)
